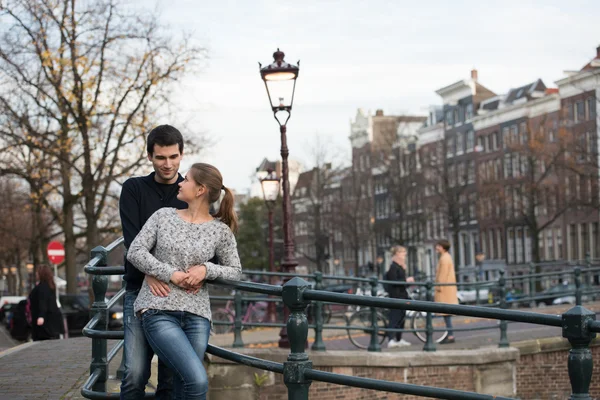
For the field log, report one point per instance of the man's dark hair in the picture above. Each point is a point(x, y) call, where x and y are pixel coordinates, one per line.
point(164, 135)
point(445, 244)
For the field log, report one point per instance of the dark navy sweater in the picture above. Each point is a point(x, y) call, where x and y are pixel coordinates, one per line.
point(140, 198)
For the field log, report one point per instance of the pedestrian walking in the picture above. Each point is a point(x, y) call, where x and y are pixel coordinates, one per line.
point(397, 273)
point(448, 293)
point(175, 247)
point(140, 198)
point(46, 318)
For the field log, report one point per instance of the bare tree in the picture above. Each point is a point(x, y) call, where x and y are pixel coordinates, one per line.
point(82, 83)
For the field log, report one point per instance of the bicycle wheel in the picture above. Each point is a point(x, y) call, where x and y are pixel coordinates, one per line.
point(362, 337)
point(222, 316)
point(418, 322)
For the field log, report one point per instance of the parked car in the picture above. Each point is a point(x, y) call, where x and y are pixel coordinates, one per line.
point(76, 309)
point(19, 328)
point(7, 304)
point(564, 293)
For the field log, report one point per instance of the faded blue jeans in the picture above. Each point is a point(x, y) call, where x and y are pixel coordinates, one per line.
point(179, 339)
point(138, 357)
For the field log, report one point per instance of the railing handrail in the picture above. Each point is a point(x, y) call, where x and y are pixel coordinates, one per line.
point(578, 325)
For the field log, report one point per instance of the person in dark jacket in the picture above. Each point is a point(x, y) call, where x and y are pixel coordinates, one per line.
point(397, 272)
point(46, 318)
point(140, 198)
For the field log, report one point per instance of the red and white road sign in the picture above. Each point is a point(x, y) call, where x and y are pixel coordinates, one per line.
point(56, 252)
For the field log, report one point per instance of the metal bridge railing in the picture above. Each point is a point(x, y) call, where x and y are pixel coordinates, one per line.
point(578, 326)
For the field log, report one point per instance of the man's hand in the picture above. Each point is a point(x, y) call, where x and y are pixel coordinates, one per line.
point(410, 279)
point(179, 277)
point(158, 288)
point(40, 321)
point(196, 276)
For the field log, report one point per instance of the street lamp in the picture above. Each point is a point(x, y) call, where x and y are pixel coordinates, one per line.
point(280, 82)
point(270, 189)
point(30, 275)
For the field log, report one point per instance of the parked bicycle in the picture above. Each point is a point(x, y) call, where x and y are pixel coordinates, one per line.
point(256, 312)
point(417, 322)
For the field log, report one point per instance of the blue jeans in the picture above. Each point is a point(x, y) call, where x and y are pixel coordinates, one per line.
point(179, 339)
point(448, 320)
point(138, 357)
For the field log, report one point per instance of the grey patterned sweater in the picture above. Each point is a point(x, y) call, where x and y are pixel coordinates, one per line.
point(167, 244)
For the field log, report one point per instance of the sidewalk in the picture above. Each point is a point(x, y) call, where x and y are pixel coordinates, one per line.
point(57, 369)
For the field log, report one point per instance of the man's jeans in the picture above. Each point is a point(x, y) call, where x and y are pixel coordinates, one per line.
point(179, 339)
point(138, 357)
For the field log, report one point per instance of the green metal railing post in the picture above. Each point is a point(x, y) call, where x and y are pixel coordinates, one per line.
point(318, 345)
point(503, 305)
point(374, 344)
point(297, 329)
point(237, 323)
point(577, 272)
point(99, 346)
point(531, 284)
point(580, 363)
point(429, 343)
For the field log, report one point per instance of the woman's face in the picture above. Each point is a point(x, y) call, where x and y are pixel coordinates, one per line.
point(188, 189)
point(401, 255)
point(439, 249)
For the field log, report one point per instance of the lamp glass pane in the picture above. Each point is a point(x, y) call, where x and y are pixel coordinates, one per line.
point(270, 189)
point(281, 92)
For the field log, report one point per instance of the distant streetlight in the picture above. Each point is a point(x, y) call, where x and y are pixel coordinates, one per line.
point(280, 82)
point(270, 189)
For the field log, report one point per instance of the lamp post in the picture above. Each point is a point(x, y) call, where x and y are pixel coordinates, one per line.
point(280, 82)
point(270, 189)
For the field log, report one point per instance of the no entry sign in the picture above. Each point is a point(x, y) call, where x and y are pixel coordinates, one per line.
point(56, 252)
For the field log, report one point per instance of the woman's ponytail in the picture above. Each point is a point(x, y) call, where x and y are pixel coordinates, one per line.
point(226, 211)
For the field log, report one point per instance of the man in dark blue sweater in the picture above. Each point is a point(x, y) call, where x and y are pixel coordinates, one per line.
point(140, 198)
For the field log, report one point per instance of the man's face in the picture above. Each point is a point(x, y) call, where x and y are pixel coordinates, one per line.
point(165, 161)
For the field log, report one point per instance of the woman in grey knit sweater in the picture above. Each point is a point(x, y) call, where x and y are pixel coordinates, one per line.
point(175, 246)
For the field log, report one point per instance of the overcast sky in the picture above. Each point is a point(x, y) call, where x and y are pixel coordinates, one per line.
point(372, 54)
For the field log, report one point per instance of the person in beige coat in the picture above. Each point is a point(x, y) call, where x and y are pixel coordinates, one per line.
point(445, 274)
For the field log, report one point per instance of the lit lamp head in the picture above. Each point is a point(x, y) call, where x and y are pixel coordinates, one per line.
point(270, 188)
point(30, 268)
point(280, 82)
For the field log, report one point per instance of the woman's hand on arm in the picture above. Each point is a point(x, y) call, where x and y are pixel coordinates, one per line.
point(196, 276)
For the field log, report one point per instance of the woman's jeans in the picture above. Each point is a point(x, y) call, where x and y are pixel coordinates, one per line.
point(179, 339)
point(448, 320)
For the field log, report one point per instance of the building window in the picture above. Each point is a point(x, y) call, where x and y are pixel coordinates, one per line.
point(594, 252)
point(515, 165)
point(542, 251)
point(507, 166)
point(579, 111)
point(492, 248)
point(510, 243)
point(505, 137)
point(461, 174)
point(573, 242)
point(590, 108)
point(460, 145)
point(514, 134)
point(523, 133)
point(469, 113)
point(500, 243)
point(449, 119)
point(527, 234)
point(470, 140)
point(457, 115)
point(451, 176)
point(494, 141)
point(449, 147)
point(559, 244)
point(519, 244)
point(471, 171)
point(550, 244)
point(585, 239)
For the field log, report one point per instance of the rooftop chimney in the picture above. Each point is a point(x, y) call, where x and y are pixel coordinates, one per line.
point(598, 52)
point(379, 113)
point(474, 74)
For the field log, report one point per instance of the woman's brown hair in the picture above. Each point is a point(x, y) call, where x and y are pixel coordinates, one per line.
point(46, 275)
point(211, 178)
